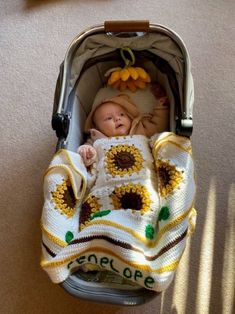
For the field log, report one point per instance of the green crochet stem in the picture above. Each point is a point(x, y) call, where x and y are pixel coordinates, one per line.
point(128, 62)
point(100, 214)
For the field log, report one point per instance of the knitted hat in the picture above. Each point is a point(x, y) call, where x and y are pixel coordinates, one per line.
point(121, 100)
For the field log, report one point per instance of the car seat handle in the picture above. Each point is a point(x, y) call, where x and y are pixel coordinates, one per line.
point(126, 26)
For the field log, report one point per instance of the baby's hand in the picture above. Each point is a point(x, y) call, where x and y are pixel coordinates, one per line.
point(88, 154)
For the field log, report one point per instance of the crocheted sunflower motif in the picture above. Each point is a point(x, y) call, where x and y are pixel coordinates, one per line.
point(88, 208)
point(123, 159)
point(128, 77)
point(64, 198)
point(133, 196)
point(169, 177)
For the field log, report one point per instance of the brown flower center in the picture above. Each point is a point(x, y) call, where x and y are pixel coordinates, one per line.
point(131, 200)
point(69, 197)
point(124, 160)
point(164, 176)
point(85, 213)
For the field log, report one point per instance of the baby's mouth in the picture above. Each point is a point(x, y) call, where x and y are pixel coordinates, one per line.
point(119, 126)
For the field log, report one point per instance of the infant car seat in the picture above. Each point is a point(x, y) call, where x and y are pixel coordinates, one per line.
point(81, 76)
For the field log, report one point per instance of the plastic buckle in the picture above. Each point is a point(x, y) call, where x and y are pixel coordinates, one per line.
point(60, 123)
point(184, 127)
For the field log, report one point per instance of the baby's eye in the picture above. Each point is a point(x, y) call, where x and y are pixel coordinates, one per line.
point(108, 118)
point(122, 114)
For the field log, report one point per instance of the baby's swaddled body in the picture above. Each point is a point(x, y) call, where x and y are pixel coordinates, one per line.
point(126, 181)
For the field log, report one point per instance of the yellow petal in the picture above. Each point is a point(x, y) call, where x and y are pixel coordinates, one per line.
point(116, 85)
point(147, 79)
point(142, 73)
point(115, 76)
point(139, 83)
point(133, 73)
point(124, 75)
point(131, 85)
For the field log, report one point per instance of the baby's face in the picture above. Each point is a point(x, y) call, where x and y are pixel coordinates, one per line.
point(112, 120)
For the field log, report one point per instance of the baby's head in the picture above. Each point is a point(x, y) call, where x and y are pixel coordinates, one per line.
point(112, 119)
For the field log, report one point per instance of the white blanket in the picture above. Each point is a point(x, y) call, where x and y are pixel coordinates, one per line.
point(136, 218)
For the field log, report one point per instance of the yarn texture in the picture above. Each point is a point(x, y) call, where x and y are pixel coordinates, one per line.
point(134, 220)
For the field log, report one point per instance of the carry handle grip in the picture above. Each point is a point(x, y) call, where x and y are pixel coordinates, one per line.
point(126, 26)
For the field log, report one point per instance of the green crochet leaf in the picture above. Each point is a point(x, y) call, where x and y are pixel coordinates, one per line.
point(69, 236)
point(101, 213)
point(149, 232)
point(164, 213)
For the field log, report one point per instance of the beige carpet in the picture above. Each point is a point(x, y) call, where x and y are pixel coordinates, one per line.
point(34, 36)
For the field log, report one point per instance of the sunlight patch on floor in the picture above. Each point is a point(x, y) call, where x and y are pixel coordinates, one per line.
point(181, 281)
point(228, 283)
point(206, 254)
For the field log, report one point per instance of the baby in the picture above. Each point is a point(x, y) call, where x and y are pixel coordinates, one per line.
point(120, 162)
point(110, 119)
point(118, 116)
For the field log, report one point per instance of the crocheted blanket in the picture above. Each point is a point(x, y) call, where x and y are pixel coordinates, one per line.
point(133, 221)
